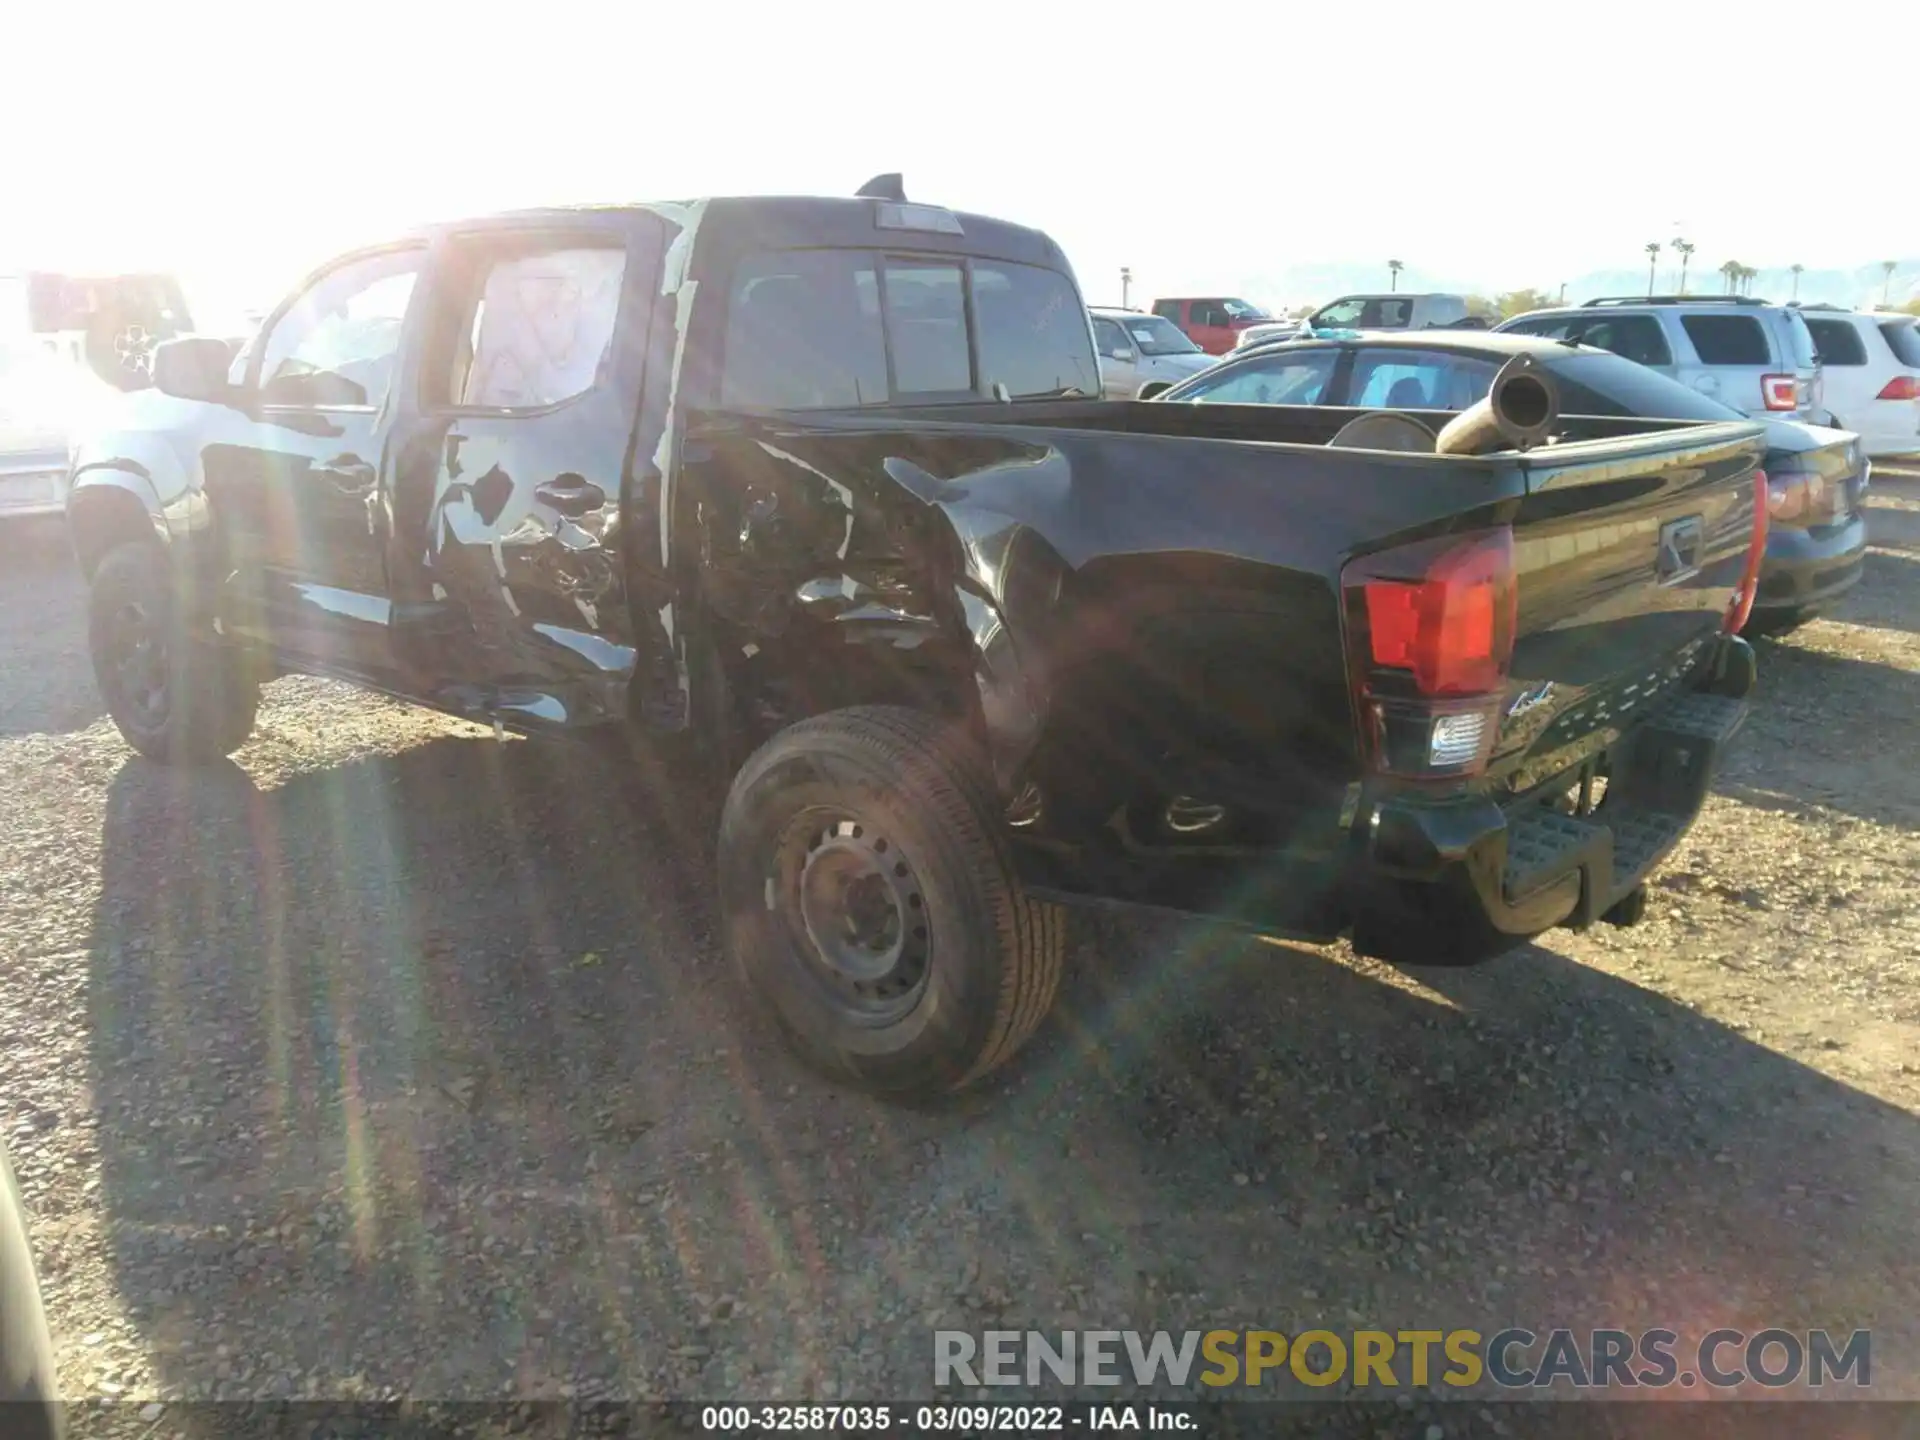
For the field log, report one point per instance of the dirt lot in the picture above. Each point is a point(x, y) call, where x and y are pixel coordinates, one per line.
point(391, 1060)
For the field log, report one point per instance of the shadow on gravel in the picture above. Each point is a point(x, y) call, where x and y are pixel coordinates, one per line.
point(43, 633)
point(420, 1074)
point(1835, 732)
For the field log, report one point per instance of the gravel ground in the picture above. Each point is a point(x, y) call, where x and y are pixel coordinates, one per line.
point(389, 1060)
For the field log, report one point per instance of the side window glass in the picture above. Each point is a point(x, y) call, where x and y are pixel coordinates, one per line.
point(1294, 380)
point(1838, 342)
point(1209, 312)
point(1418, 380)
point(927, 324)
point(1340, 315)
point(1113, 340)
point(336, 345)
point(538, 327)
point(1554, 327)
point(1632, 337)
point(1727, 339)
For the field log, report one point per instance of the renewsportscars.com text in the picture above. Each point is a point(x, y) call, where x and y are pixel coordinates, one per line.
point(1513, 1358)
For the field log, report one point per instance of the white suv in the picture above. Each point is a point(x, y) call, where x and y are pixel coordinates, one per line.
point(1871, 365)
point(1757, 358)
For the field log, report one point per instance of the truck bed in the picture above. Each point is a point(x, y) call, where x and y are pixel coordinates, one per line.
point(1152, 594)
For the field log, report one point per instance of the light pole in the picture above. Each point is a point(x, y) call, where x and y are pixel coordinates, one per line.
point(1126, 283)
point(1653, 255)
point(1796, 269)
point(1886, 285)
point(1563, 292)
point(1393, 275)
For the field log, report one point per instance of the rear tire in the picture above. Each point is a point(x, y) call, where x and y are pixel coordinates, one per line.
point(177, 697)
point(870, 901)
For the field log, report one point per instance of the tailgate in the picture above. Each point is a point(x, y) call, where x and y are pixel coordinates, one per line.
point(1628, 553)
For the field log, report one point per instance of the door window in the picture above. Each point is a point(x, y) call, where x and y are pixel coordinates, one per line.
point(1553, 327)
point(1632, 337)
point(1838, 342)
point(337, 344)
point(1396, 379)
point(1113, 340)
point(1727, 339)
point(537, 327)
point(1209, 312)
point(1296, 379)
point(1342, 314)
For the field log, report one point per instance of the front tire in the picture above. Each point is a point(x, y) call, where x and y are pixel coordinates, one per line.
point(177, 697)
point(870, 902)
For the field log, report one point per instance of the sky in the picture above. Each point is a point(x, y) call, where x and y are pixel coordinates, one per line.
point(1203, 146)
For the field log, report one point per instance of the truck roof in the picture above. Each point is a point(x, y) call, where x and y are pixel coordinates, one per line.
point(782, 222)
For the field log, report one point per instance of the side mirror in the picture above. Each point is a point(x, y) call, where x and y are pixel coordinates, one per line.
point(193, 367)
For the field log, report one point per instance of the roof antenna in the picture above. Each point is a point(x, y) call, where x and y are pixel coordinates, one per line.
point(883, 187)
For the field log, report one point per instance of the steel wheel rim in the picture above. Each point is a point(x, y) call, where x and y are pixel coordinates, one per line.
point(137, 660)
point(855, 910)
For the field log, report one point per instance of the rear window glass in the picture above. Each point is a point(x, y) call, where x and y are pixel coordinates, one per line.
point(803, 332)
point(1904, 337)
point(1033, 331)
point(1727, 339)
point(1632, 337)
point(1838, 342)
point(1609, 385)
point(927, 327)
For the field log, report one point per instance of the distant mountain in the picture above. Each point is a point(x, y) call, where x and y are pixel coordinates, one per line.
point(1316, 284)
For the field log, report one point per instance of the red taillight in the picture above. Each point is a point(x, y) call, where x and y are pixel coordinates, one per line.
point(1781, 392)
point(1432, 626)
point(1742, 605)
point(1452, 628)
point(1902, 387)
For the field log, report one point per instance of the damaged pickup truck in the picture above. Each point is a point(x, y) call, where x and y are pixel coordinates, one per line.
point(813, 495)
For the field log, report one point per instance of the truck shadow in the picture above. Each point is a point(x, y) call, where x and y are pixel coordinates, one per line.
point(422, 1073)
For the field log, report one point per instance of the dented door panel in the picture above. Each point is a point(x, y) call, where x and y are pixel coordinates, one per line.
point(512, 488)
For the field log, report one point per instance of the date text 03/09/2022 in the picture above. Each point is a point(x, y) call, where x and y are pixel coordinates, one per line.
point(919, 1418)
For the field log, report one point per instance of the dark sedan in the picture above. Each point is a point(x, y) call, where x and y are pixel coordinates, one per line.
point(1817, 479)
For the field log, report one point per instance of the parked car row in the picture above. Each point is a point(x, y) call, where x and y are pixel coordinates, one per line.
point(1817, 477)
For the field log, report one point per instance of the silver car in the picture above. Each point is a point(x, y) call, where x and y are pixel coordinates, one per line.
point(1756, 358)
point(1141, 354)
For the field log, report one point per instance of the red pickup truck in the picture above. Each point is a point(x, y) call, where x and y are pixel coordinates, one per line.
point(1212, 324)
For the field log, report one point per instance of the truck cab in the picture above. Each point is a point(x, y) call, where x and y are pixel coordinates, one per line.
point(1213, 323)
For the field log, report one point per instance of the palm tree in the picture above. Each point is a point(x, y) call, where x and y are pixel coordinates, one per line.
point(1685, 247)
point(1887, 267)
point(1393, 274)
point(1653, 254)
point(1747, 276)
point(1730, 272)
point(1796, 269)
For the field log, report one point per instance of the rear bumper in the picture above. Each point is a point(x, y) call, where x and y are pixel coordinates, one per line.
point(1807, 569)
point(1458, 883)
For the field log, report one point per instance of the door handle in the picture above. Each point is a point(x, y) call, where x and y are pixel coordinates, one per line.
point(349, 474)
point(571, 497)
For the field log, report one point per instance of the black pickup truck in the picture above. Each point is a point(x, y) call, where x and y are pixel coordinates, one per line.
point(813, 493)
